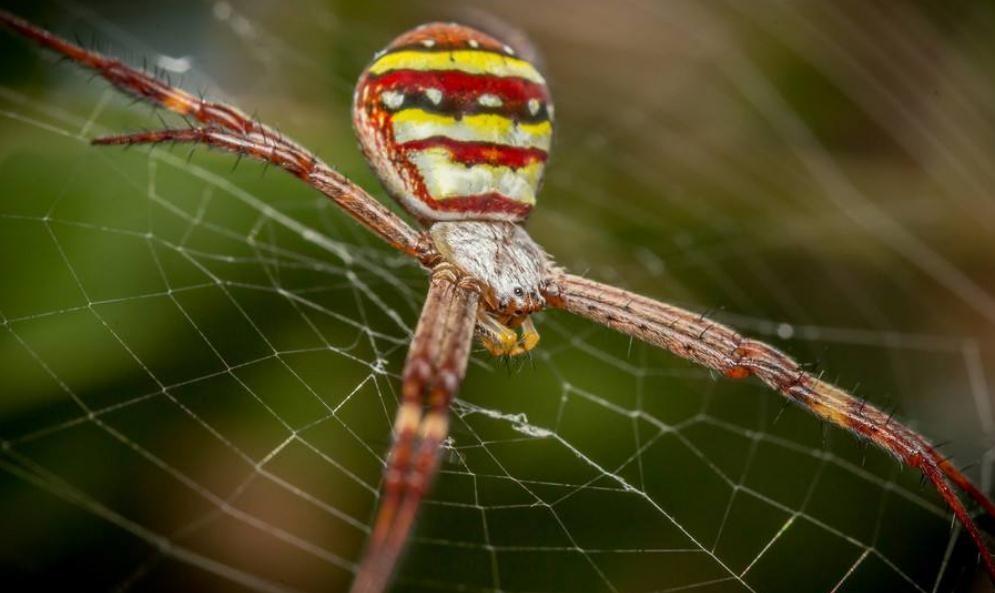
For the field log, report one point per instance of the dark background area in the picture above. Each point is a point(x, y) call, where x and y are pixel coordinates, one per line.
point(196, 389)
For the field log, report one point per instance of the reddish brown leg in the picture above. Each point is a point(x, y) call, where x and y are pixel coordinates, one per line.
point(432, 376)
point(718, 347)
point(228, 128)
point(138, 83)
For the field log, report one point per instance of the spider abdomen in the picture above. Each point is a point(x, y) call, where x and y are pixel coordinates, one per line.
point(456, 126)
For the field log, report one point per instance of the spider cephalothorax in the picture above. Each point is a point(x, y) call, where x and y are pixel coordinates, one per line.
point(458, 129)
point(514, 274)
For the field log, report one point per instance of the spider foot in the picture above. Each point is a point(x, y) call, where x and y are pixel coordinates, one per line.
point(501, 340)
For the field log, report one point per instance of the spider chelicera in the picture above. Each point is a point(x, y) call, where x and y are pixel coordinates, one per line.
point(458, 129)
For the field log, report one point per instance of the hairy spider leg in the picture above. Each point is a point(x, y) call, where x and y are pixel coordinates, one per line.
point(713, 345)
point(432, 375)
point(228, 128)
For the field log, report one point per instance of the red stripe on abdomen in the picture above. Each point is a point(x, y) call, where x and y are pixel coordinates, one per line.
point(475, 153)
point(461, 88)
point(483, 203)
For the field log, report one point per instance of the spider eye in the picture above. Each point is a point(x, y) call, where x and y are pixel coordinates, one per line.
point(519, 292)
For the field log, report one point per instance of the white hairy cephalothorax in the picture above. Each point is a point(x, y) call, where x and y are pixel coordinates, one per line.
point(502, 256)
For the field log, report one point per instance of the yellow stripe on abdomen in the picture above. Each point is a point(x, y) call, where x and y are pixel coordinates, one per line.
point(418, 124)
point(469, 61)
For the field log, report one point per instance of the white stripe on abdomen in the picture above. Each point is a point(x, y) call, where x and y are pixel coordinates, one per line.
point(446, 179)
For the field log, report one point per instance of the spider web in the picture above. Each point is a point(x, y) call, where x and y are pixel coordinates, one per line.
point(198, 364)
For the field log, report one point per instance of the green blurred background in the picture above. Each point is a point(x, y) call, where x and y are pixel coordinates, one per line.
point(196, 388)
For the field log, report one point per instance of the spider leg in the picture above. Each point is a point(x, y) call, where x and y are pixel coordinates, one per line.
point(136, 82)
point(255, 138)
point(713, 345)
point(432, 375)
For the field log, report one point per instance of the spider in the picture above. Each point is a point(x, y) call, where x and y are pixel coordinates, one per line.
point(458, 127)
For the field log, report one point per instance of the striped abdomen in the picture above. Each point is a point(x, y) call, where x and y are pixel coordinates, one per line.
point(456, 126)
